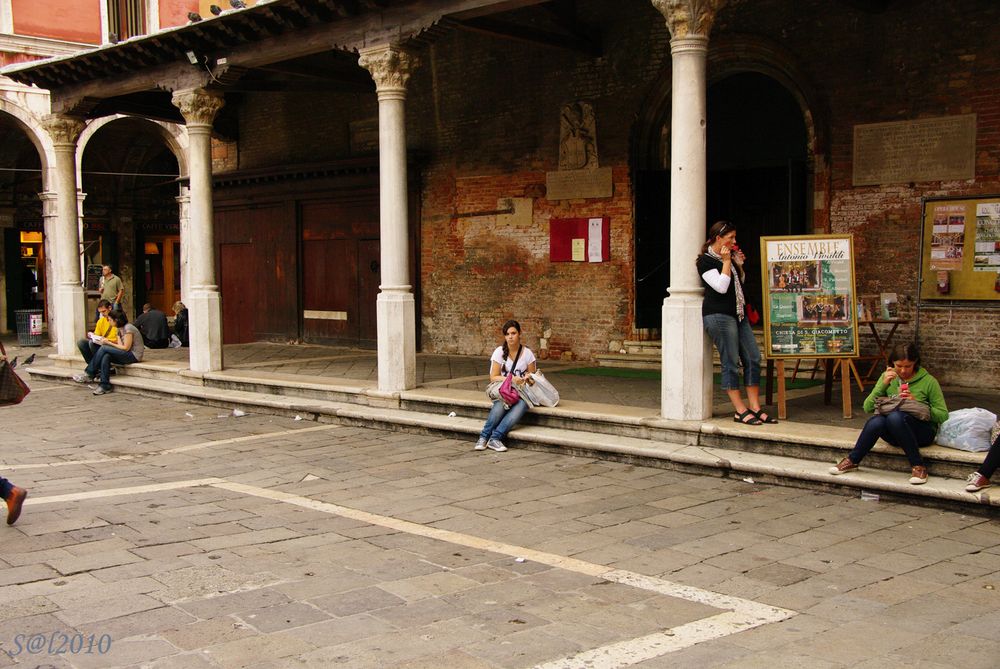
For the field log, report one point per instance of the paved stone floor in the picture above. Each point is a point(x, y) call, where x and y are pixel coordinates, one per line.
point(183, 536)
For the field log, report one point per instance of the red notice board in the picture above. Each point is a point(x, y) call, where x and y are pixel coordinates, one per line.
point(590, 238)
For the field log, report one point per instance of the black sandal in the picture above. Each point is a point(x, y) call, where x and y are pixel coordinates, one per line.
point(760, 413)
point(748, 417)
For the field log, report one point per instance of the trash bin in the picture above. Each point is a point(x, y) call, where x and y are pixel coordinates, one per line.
point(29, 327)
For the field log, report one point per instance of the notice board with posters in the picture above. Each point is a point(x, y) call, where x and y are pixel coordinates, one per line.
point(580, 239)
point(960, 249)
point(809, 296)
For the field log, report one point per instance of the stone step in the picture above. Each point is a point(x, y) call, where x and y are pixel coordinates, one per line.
point(789, 453)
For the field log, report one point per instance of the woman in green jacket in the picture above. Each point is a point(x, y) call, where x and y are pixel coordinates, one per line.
point(905, 378)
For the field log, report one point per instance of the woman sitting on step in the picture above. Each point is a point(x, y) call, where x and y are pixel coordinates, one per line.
point(511, 358)
point(127, 349)
point(905, 379)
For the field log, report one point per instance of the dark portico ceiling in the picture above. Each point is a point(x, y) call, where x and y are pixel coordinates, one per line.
point(273, 45)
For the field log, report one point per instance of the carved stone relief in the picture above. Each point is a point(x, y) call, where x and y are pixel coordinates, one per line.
point(686, 18)
point(390, 66)
point(198, 106)
point(577, 137)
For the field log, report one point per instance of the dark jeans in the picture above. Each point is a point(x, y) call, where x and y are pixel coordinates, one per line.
point(87, 349)
point(501, 421)
point(992, 461)
point(899, 429)
point(102, 360)
point(5, 488)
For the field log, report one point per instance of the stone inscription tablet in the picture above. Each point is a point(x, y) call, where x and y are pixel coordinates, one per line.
point(933, 149)
point(578, 184)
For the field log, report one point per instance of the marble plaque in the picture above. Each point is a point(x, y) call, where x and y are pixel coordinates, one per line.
point(933, 149)
point(578, 184)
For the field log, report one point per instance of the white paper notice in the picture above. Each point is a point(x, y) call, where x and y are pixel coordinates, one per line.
point(594, 235)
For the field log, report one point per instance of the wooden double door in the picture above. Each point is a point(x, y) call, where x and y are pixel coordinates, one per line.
point(309, 270)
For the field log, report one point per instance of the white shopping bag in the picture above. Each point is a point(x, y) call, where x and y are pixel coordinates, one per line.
point(540, 391)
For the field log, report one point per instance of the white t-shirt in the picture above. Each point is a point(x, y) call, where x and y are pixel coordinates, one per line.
point(527, 357)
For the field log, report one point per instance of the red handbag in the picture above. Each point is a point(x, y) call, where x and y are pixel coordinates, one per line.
point(507, 392)
point(12, 389)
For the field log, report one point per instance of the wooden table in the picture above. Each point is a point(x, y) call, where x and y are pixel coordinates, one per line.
point(881, 361)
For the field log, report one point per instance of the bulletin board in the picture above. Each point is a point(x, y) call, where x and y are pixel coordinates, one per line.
point(809, 296)
point(960, 249)
point(580, 239)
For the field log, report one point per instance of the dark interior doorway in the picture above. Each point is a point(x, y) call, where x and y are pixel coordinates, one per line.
point(757, 156)
point(757, 177)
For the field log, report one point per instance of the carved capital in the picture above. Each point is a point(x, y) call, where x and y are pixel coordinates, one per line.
point(63, 129)
point(198, 106)
point(390, 66)
point(687, 18)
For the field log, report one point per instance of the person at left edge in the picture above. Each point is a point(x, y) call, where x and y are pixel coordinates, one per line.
point(723, 313)
point(12, 495)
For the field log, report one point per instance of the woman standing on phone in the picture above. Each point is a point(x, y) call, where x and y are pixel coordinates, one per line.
point(724, 314)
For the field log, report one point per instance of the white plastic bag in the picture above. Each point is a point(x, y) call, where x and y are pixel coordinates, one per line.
point(174, 342)
point(541, 392)
point(967, 430)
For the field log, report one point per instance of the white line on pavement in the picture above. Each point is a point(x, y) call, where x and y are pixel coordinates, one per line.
point(117, 492)
point(171, 451)
point(743, 614)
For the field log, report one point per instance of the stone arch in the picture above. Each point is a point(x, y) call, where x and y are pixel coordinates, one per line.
point(31, 124)
point(175, 137)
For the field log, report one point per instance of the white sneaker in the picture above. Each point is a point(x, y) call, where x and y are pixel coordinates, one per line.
point(83, 378)
point(481, 444)
point(496, 445)
point(102, 391)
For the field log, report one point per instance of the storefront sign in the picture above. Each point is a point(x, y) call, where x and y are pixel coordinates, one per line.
point(809, 296)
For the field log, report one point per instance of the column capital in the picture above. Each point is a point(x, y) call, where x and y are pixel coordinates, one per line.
point(63, 129)
point(198, 106)
point(390, 67)
point(687, 18)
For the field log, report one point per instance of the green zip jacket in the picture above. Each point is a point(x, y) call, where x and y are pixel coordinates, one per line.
point(923, 387)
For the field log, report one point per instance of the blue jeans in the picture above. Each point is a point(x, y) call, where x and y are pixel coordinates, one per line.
point(5, 488)
point(899, 429)
point(501, 421)
point(101, 362)
point(87, 349)
point(736, 344)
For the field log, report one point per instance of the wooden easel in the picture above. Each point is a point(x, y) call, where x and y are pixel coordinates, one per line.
point(847, 370)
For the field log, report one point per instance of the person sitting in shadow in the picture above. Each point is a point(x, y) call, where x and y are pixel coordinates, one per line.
point(152, 324)
point(181, 322)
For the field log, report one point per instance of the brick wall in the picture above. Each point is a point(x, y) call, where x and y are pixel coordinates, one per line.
point(917, 59)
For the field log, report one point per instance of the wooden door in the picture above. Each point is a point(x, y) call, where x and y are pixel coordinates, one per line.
point(161, 272)
point(239, 299)
point(330, 291)
point(369, 278)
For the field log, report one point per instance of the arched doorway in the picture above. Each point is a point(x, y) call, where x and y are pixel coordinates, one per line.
point(130, 176)
point(758, 176)
point(757, 162)
point(23, 252)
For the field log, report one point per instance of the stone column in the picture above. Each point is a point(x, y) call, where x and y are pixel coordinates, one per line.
point(50, 223)
point(204, 304)
point(390, 67)
point(183, 202)
point(686, 388)
point(69, 320)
